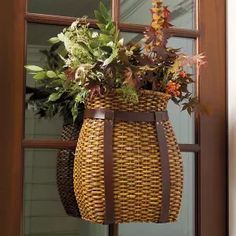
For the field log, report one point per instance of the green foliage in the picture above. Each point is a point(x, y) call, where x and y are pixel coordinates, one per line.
point(40, 75)
point(33, 68)
point(55, 96)
point(51, 74)
point(54, 40)
point(129, 94)
point(83, 62)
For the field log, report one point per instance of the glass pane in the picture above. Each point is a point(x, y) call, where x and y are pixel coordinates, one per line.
point(185, 224)
point(66, 7)
point(137, 12)
point(131, 37)
point(44, 214)
point(37, 37)
point(184, 124)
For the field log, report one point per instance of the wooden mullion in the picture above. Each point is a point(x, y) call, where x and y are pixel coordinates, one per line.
point(54, 19)
point(113, 230)
point(175, 32)
point(189, 148)
point(116, 12)
point(184, 33)
point(60, 144)
point(49, 144)
point(134, 28)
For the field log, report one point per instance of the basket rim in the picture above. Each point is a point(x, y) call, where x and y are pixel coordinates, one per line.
point(155, 93)
point(140, 92)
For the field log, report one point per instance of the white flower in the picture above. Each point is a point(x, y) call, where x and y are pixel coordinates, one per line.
point(121, 42)
point(61, 37)
point(94, 34)
point(110, 44)
point(74, 25)
point(82, 70)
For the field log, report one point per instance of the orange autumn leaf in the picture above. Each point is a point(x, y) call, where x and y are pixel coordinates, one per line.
point(172, 88)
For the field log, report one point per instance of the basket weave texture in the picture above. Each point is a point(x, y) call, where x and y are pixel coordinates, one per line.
point(137, 174)
point(65, 166)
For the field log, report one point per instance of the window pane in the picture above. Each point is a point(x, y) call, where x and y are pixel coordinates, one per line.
point(44, 214)
point(185, 224)
point(137, 12)
point(66, 7)
point(37, 39)
point(184, 124)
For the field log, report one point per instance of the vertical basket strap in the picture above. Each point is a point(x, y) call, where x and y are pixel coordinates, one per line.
point(108, 166)
point(164, 215)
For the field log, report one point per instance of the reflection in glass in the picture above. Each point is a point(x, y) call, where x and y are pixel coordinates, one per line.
point(137, 12)
point(37, 39)
point(131, 37)
point(185, 224)
point(43, 212)
point(66, 7)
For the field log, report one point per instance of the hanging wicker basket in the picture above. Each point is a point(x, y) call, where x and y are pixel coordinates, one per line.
point(65, 166)
point(128, 166)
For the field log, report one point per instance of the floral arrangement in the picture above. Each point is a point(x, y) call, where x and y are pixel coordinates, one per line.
point(83, 63)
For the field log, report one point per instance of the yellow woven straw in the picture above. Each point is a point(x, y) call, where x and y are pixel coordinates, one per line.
point(137, 170)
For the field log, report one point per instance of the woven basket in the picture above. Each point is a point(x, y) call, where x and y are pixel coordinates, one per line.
point(65, 166)
point(137, 175)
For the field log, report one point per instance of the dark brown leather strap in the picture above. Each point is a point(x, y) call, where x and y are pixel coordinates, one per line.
point(165, 169)
point(109, 118)
point(108, 166)
point(127, 115)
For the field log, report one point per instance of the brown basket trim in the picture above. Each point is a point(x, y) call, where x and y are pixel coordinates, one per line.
point(126, 116)
point(108, 166)
point(110, 116)
point(165, 169)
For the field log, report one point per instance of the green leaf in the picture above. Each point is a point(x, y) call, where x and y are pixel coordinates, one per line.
point(40, 75)
point(54, 40)
point(99, 17)
point(189, 110)
point(55, 96)
point(104, 11)
point(94, 44)
point(33, 68)
point(101, 26)
point(74, 111)
point(104, 38)
point(129, 94)
point(51, 74)
point(55, 83)
point(117, 35)
point(111, 58)
point(62, 76)
point(109, 26)
point(78, 98)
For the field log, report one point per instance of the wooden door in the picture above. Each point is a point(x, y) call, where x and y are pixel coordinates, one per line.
point(204, 147)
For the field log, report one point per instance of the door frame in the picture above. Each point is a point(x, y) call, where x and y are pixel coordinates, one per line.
point(211, 162)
